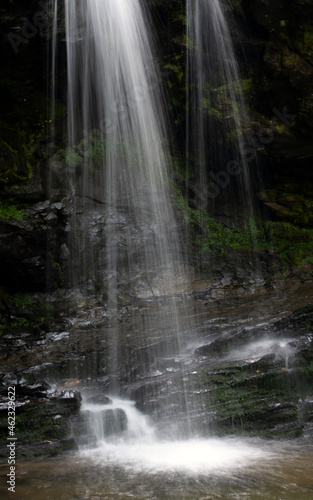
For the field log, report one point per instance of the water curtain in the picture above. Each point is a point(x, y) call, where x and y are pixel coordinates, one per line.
point(217, 114)
point(124, 242)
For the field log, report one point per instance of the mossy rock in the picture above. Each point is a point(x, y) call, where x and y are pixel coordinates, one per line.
point(13, 164)
point(265, 403)
point(290, 206)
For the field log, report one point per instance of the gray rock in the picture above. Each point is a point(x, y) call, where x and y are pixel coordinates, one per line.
point(100, 399)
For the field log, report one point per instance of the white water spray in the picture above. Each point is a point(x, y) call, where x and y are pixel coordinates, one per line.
point(139, 448)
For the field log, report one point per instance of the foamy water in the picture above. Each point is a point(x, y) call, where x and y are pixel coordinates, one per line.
point(193, 456)
point(140, 449)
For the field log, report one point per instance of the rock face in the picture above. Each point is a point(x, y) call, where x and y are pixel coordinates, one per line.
point(42, 419)
point(30, 246)
point(251, 381)
point(276, 39)
point(49, 329)
point(23, 28)
point(279, 36)
point(34, 247)
point(282, 32)
point(230, 378)
point(100, 399)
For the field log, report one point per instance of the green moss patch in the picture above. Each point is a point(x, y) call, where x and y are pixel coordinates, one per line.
point(10, 210)
point(289, 242)
point(245, 400)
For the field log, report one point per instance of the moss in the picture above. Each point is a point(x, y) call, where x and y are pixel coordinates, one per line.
point(250, 401)
point(289, 242)
point(20, 312)
point(10, 210)
point(34, 422)
point(239, 87)
point(308, 40)
point(91, 148)
point(22, 301)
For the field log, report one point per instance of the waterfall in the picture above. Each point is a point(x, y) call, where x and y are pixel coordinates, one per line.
point(124, 241)
point(129, 440)
point(217, 113)
point(116, 422)
point(115, 120)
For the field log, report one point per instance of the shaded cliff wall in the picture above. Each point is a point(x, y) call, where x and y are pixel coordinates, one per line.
point(274, 41)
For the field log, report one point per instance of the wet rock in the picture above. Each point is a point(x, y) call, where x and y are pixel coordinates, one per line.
point(64, 252)
point(225, 343)
point(307, 409)
point(42, 423)
point(71, 382)
point(31, 248)
point(39, 390)
point(58, 206)
point(50, 217)
point(114, 422)
point(267, 362)
point(9, 379)
point(100, 399)
point(298, 327)
point(300, 322)
point(70, 400)
point(111, 422)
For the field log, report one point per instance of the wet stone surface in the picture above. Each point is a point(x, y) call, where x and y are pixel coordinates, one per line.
point(246, 368)
point(42, 420)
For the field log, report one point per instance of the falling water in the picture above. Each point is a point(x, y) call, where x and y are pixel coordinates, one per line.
point(129, 439)
point(124, 242)
point(124, 238)
point(218, 118)
point(116, 117)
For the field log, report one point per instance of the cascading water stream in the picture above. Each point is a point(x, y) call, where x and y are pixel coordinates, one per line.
point(110, 95)
point(124, 243)
point(124, 247)
point(113, 92)
point(217, 116)
point(129, 439)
